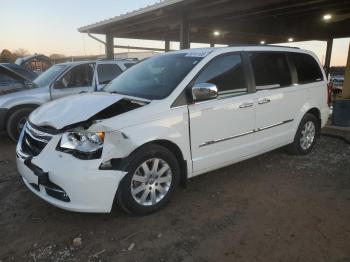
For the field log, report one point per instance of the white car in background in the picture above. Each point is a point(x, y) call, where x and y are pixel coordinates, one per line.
point(58, 81)
point(170, 118)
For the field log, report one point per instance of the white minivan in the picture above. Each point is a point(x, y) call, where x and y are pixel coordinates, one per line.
point(170, 118)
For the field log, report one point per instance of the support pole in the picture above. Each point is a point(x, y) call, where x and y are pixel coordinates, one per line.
point(167, 46)
point(212, 44)
point(109, 46)
point(184, 33)
point(346, 85)
point(327, 62)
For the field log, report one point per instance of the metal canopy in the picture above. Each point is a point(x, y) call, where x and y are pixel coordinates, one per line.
point(236, 21)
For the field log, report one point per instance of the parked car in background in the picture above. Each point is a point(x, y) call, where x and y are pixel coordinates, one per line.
point(58, 81)
point(337, 81)
point(36, 63)
point(170, 118)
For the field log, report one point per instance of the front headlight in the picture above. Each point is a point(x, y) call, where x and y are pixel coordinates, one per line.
point(82, 141)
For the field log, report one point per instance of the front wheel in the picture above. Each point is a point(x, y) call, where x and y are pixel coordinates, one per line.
point(153, 174)
point(16, 122)
point(306, 135)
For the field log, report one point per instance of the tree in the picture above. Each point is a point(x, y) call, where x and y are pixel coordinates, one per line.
point(7, 57)
point(21, 52)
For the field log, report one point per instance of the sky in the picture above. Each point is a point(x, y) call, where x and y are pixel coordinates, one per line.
point(49, 26)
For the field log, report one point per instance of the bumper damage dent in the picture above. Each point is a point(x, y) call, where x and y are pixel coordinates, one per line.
point(89, 188)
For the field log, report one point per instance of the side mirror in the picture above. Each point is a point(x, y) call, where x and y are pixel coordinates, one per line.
point(204, 91)
point(29, 84)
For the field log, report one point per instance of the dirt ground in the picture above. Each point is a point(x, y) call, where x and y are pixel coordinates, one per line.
point(274, 207)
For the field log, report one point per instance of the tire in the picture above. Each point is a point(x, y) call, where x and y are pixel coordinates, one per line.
point(16, 121)
point(162, 183)
point(305, 138)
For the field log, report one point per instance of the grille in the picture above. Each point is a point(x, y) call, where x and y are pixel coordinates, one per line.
point(34, 141)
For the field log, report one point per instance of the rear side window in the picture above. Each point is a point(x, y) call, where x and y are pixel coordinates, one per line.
point(107, 72)
point(307, 68)
point(271, 70)
point(226, 72)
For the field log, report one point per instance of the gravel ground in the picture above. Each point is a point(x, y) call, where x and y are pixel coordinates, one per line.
point(274, 207)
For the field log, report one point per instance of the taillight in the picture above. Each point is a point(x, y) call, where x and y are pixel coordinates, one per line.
point(329, 93)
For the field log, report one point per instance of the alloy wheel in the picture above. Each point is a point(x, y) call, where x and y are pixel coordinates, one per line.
point(308, 134)
point(151, 181)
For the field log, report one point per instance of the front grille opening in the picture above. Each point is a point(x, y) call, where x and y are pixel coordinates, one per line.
point(33, 141)
point(58, 194)
point(32, 146)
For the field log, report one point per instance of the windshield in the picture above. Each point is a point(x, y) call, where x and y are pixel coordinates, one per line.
point(49, 75)
point(154, 78)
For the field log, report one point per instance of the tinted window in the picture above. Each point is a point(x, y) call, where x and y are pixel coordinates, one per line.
point(156, 77)
point(307, 68)
point(226, 72)
point(107, 72)
point(270, 69)
point(79, 76)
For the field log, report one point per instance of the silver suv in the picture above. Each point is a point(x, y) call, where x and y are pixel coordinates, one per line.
point(58, 81)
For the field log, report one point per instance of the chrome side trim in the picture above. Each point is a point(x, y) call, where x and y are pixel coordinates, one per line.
point(224, 139)
point(274, 125)
point(244, 134)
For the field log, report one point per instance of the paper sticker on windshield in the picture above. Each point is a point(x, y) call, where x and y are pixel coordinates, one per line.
point(198, 54)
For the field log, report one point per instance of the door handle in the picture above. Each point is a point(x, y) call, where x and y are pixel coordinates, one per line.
point(245, 105)
point(264, 101)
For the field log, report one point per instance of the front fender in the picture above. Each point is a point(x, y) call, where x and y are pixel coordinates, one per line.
point(173, 128)
point(17, 99)
point(303, 110)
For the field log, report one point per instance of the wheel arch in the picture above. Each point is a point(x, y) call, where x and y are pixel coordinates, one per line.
point(13, 109)
point(175, 149)
point(122, 163)
point(317, 113)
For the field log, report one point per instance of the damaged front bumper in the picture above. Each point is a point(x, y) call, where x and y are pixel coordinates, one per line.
point(68, 182)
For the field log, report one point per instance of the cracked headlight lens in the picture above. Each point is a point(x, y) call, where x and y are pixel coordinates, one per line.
point(82, 141)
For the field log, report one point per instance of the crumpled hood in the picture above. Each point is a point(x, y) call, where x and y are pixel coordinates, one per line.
point(72, 109)
point(10, 87)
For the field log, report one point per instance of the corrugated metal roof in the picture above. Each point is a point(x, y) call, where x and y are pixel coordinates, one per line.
point(162, 4)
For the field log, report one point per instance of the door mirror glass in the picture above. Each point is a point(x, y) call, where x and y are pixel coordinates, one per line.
point(204, 91)
point(29, 84)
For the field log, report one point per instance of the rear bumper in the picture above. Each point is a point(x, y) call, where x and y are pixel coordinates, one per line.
point(325, 112)
point(3, 113)
point(81, 186)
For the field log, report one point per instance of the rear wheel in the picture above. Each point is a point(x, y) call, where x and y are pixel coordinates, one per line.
point(306, 135)
point(16, 122)
point(153, 174)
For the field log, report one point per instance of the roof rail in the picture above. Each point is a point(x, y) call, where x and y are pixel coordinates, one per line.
point(255, 45)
